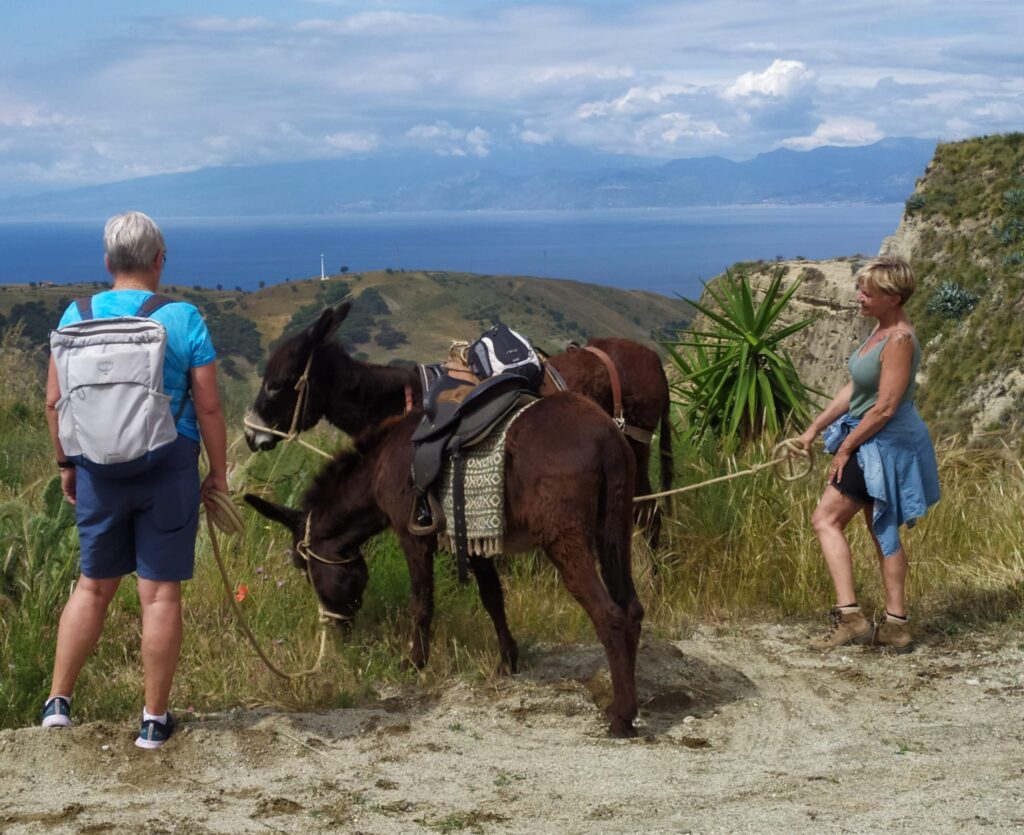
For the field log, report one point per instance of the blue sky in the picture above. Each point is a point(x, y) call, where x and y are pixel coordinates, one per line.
point(107, 90)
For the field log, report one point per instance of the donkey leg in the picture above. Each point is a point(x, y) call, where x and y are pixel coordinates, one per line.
point(493, 598)
point(621, 589)
point(575, 562)
point(420, 561)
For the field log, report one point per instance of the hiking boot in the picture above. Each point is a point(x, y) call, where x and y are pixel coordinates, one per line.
point(56, 713)
point(894, 633)
point(847, 625)
point(153, 734)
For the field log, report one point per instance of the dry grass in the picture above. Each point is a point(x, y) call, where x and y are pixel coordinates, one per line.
point(737, 550)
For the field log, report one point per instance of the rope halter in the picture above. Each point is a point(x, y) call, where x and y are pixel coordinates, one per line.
point(308, 555)
point(302, 387)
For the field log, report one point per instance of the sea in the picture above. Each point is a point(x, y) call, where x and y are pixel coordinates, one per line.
point(667, 251)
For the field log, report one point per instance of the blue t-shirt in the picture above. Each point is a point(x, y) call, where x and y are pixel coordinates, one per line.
point(188, 343)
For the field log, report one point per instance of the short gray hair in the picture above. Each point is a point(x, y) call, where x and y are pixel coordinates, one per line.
point(131, 242)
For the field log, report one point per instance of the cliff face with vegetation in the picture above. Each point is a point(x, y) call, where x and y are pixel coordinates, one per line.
point(963, 232)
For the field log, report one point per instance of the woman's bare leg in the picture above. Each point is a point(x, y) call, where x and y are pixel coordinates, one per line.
point(81, 623)
point(830, 518)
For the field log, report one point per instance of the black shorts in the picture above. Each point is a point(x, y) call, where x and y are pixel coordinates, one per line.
point(852, 483)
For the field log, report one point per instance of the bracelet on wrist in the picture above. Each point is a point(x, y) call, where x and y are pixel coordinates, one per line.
point(65, 465)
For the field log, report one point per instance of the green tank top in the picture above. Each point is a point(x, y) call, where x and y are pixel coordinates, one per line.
point(866, 371)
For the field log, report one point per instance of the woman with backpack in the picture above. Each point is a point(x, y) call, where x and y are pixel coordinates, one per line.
point(126, 429)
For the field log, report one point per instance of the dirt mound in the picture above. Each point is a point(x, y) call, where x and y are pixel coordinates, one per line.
point(741, 730)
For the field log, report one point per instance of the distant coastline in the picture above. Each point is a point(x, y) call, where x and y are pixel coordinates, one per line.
point(666, 251)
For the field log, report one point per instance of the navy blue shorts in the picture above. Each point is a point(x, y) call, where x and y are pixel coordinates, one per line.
point(852, 483)
point(144, 523)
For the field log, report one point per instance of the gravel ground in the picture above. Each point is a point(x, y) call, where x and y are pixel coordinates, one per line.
point(741, 730)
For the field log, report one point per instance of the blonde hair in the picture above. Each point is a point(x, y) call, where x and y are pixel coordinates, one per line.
point(888, 274)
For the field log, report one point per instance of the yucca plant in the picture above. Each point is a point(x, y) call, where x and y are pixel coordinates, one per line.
point(737, 380)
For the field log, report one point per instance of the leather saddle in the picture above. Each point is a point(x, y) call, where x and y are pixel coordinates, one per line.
point(450, 425)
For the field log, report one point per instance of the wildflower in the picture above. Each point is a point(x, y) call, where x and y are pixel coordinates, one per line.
point(241, 592)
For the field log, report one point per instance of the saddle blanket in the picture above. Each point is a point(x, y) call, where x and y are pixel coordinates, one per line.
point(484, 491)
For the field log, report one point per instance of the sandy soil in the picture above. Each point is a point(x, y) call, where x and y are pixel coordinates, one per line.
point(742, 730)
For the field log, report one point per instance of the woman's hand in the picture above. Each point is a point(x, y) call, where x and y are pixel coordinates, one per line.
point(67, 484)
point(806, 439)
point(839, 462)
point(211, 483)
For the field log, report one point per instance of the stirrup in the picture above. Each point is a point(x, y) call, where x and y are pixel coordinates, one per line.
point(436, 517)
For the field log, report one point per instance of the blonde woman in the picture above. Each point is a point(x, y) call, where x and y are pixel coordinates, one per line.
point(883, 465)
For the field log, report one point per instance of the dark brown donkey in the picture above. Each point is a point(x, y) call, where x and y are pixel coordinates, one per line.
point(354, 395)
point(568, 490)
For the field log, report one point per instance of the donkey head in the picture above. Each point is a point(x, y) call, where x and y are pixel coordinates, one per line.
point(279, 395)
point(338, 572)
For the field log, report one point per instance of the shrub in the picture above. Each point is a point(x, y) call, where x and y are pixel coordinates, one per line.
point(915, 203)
point(951, 301)
point(736, 379)
point(1014, 199)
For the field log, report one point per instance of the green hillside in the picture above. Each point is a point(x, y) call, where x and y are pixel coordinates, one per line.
point(397, 316)
point(964, 233)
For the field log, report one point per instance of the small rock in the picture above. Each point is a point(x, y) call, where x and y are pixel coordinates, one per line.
point(104, 747)
point(689, 720)
point(972, 681)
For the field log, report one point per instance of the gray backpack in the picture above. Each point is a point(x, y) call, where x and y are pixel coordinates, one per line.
point(113, 408)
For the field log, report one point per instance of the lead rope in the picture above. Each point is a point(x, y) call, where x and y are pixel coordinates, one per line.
point(224, 516)
point(792, 452)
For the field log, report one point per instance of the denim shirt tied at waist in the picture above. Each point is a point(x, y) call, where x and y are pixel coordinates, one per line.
point(900, 471)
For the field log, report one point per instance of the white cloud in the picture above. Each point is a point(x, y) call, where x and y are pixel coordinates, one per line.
point(443, 139)
point(650, 78)
point(227, 24)
point(781, 80)
point(842, 130)
point(535, 137)
point(561, 73)
point(351, 143)
point(375, 23)
point(636, 100)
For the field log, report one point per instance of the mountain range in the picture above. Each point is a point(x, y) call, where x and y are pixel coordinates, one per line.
point(551, 179)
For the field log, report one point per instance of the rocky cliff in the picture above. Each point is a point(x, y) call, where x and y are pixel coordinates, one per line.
point(963, 231)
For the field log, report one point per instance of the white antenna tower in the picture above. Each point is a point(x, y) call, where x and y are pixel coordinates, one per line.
point(323, 277)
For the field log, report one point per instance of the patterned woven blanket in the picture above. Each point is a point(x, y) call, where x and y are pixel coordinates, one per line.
point(485, 493)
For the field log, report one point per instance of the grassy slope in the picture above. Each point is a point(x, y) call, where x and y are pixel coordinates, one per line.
point(433, 308)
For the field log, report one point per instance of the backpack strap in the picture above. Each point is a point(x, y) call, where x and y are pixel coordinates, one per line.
point(153, 304)
point(150, 306)
point(84, 305)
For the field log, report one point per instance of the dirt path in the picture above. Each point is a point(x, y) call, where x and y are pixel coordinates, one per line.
point(742, 731)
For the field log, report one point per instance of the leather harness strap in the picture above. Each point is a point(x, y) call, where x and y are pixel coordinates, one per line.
point(634, 432)
point(613, 378)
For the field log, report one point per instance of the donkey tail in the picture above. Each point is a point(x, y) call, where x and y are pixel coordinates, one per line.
point(615, 525)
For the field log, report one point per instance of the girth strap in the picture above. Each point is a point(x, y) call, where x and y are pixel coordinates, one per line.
point(460, 535)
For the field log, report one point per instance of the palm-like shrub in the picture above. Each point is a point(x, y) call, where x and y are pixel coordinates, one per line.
point(736, 380)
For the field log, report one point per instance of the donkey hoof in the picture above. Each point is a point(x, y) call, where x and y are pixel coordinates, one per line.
point(507, 667)
point(413, 665)
point(621, 728)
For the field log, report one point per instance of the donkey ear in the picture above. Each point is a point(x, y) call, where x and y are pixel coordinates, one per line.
point(319, 330)
point(287, 516)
